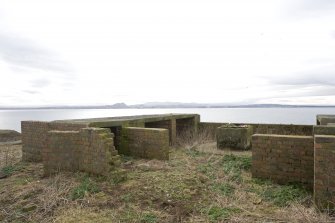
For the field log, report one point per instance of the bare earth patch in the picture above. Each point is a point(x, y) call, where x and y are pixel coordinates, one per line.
point(197, 184)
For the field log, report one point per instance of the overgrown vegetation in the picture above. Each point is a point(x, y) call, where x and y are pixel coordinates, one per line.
point(86, 186)
point(198, 184)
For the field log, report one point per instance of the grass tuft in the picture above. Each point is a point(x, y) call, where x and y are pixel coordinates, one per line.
point(220, 214)
point(86, 186)
point(149, 218)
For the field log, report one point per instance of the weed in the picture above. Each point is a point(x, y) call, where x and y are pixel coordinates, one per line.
point(86, 186)
point(232, 162)
point(283, 195)
point(206, 169)
point(9, 170)
point(233, 166)
point(226, 189)
point(219, 214)
point(149, 218)
point(126, 197)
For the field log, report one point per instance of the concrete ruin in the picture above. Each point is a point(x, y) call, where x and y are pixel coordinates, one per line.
point(234, 137)
point(94, 145)
point(283, 153)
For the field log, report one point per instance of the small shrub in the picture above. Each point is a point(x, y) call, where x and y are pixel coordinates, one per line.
point(219, 214)
point(86, 186)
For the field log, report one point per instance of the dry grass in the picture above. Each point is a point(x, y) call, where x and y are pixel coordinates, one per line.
point(10, 154)
point(197, 184)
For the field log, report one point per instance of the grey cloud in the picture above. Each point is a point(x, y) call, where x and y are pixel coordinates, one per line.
point(24, 53)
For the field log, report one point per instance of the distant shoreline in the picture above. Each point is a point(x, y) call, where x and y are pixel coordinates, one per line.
point(165, 107)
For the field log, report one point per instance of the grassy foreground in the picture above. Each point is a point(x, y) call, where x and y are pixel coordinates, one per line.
point(198, 184)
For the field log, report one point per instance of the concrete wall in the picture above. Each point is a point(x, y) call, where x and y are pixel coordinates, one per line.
point(283, 159)
point(325, 119)
point(147, 143)
point(90, 150)
point(279, 129)
point(324, 178)
point(324, 130)
point(170, 125)
point(34, 136)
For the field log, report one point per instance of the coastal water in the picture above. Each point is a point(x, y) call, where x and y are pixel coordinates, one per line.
point(10, 119)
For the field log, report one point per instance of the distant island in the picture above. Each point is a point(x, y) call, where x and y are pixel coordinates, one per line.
point(164, 105)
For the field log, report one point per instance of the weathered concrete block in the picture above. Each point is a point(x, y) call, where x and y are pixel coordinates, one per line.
point(324, 130)
point(283, 159)
point(234, 137)
point(149, 143)
point(325, 119)
point(324, 171)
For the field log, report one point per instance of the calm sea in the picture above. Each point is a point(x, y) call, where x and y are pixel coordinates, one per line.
point(10, 119)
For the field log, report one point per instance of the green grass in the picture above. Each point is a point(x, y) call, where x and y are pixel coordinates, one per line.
point(149, 218)
point(9, 170)
point(233, 166)
point(216, 213)
point(87, 185)
point(226, 189)
point(280, 195)
point(193, 186)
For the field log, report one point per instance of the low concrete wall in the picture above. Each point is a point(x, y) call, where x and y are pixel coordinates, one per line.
point(324, 182)
point(149, 143)
point(283, 159)
point(165, 124)
point(34, 136)
point(90, 150)
point(325, 119)
point(279, 129)
point(324, 130)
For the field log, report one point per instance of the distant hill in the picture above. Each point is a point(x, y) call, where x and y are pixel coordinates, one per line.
point(166, 105)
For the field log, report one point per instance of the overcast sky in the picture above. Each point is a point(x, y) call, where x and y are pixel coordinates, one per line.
point(104, 52)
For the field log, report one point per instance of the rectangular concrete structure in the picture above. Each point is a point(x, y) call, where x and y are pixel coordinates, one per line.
point(148, 143)
point(234, 137)
point(35, 133)
point(325, 119)
point(283, 159)
point(90, 150)
point(278, 129)
point(324, 130)
point(324, 171)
